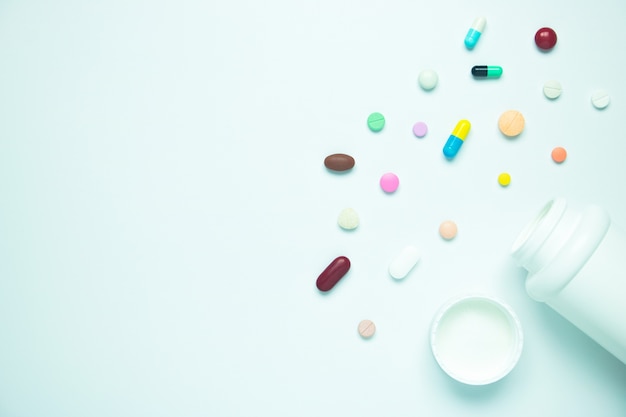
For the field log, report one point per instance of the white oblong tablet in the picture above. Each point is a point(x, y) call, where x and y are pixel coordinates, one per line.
point(404, 262)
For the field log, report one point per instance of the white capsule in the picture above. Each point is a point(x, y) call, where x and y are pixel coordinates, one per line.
point(404, 262)
point(474, 32)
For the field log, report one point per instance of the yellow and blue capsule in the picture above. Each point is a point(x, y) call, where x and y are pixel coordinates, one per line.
point(474, 33)
point(456, 139)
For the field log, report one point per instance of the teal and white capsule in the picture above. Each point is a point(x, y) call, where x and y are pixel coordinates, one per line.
point(486, 71)
point(473, 34)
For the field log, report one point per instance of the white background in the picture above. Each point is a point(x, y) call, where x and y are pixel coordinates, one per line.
point(165, 211)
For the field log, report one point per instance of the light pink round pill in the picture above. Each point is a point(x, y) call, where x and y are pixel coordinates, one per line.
point(420, 129)
point(389, 182)
point(448, 230)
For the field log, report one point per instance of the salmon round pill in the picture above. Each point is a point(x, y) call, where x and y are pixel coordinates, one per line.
point(404, 262)
point(552, 89)
point(511, 123)
point(559, 154)
point(366, 328)
point(448, 230)
point(348, 219)
point(333, 273)
point(376, 122)
point(389, 182)
point(600, 99)
point(339, 162)
point(504, 179)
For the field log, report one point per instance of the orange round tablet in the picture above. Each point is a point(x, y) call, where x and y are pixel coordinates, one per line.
point(559, 154)
point(511, 123)
point(448, 230)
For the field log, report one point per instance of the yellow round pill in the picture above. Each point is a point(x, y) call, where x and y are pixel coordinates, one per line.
point(504, 179)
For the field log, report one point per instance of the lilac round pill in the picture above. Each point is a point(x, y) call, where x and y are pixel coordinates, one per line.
point(389, 182)
point(420, 129)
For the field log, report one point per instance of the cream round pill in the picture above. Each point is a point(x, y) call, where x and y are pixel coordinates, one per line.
point(552, 89)
point(404, 262)
point(366, 328)
point(476, 339)
point(600, 99)
point(428, 79)
point(348, 219)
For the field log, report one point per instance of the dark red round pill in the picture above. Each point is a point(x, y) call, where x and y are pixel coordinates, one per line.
point(545, 38)
point(333, 273)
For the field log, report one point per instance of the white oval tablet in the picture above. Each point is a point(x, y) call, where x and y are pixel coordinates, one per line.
point(552, 89)
point(476, 340)
point(600, 99)
point(404, 262)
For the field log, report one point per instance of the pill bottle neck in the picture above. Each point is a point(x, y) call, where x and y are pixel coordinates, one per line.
point(540, 241)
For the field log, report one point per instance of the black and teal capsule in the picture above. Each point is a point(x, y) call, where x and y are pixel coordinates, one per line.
point(486, 71)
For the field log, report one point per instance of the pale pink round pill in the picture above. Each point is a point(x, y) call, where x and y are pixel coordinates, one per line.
point(448, 230)
point(389, 182)
point(420, 129)
point(367, 328)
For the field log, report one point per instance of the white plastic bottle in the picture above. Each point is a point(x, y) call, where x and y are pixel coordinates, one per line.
point(576, 262)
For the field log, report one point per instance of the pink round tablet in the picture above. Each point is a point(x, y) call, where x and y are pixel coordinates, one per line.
point(420, 129)
point(389, 182)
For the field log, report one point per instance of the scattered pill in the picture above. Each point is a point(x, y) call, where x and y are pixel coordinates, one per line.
point(504, 179)
point(456, 139)
point(552, 89)
point(600, 99)
point(420, 129)
point(545, 38)
point(486, 71)
point(339, 162)
point(376, 122)
point(348, 219)
point(367, 328)
point(511, 123)
point(477, 28)
point(404, 262)
point(448, 230)
point(333, 273)
point(428, 79)
point(559, 154)
point(389, 182)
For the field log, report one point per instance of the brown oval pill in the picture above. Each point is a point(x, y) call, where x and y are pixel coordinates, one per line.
point(333, 273)
point(339, 162)
point(367, 328)
point(511, 123)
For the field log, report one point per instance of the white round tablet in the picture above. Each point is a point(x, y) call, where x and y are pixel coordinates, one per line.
point(428, 79)
point(600, 99)
point(552, 89)
point(476, 339)
point(348, 219)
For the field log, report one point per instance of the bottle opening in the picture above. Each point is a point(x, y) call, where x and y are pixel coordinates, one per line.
point(530, 228)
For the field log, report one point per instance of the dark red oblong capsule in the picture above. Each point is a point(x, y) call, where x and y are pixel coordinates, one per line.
point(333, 273)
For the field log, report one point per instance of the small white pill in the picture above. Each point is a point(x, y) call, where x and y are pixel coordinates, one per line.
point(552, 89)
point(428, 79)
point(600, 99)
point(404, 262)
point(348, 219)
